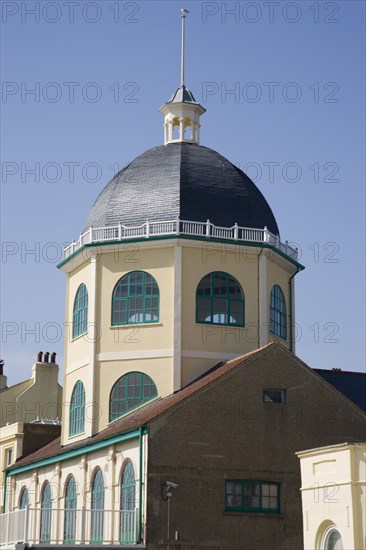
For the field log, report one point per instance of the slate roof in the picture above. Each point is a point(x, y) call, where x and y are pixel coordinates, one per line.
point(351, 384)
point(182, 95)
point(182, 180)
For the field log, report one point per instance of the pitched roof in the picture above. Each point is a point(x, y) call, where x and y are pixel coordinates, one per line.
point(158, 407)
point(138, 417)
point(351, 384)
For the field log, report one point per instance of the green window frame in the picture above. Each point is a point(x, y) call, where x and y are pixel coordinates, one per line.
point(128, 504)
point(80, 312)
point(70, 511)
point(77, 409)
point(249, 495)
point(130, 391)
point(220, 300)
point(46, 515)
point(24, 499)
point(135, 299)
point(277, 313)
point(97, 508)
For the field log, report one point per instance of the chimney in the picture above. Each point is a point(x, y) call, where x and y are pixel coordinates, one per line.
point(3, 378)
point(45, 377)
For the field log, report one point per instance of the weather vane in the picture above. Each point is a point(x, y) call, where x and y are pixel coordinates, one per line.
point(183, 12)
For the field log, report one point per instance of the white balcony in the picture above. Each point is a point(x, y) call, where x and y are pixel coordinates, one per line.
point(69, 526)
point(180, 227)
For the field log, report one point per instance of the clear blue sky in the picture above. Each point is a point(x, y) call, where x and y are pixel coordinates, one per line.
point(298, 73)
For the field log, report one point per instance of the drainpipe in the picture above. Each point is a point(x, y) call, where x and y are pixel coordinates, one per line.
point(290, 314)
point(139, 532)
point(259, 331)
point(4, 501)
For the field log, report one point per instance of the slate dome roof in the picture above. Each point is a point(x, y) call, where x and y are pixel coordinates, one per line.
point(181, 180)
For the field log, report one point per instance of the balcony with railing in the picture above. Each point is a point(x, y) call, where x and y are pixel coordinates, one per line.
point(206, 230)
point(50, 526)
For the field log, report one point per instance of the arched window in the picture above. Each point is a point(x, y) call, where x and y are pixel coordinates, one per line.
point(24, 498)
point(46, 514)
point(130, 391)
point(77, 409)
point(128, 504)
point(220, 300)
point(277, 313)
point(176, 128)
point(333, 540)
point(188, 134)
point(97, 508)
point(80, 315)
point(70, 511)
point(135, 299)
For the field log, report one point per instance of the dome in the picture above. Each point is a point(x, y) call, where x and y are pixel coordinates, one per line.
point(186, 181)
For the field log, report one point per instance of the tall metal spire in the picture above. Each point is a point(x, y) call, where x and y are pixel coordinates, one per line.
point(183, 12)
point(182, 112)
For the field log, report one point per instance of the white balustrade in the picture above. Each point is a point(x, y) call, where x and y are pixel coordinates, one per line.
point(180, 227)
point(68, 526)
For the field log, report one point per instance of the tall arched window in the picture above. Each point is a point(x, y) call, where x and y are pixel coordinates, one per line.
point(128, 504)
point(220, 300)
point(24, 498)
point(333, 540)
point(135, 299)
point(46, 514)
point(80, 315)
point(77, 409)
point(277, 313)
point(97, 508)
point(130, 391)
point(70, 511)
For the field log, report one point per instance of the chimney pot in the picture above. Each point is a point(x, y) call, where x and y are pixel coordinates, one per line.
point(53, 357)
point(46, 357)
point(39, 357)
point(1, 366)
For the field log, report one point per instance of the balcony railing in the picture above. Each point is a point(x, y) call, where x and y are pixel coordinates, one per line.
point(207, 229)
point(68, 526)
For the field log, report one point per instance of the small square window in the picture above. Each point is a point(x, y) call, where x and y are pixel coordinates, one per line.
point(274, 396)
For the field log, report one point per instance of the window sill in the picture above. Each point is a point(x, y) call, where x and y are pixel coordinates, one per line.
point(278, 336)
point(78, 337)
point(76, 435)
point(219, 324)
point(135, 326)
point(255, 514)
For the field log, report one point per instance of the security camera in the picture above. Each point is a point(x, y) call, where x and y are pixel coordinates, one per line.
point(171, 484)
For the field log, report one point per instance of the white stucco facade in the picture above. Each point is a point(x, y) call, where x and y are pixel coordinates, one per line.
point(334, 497)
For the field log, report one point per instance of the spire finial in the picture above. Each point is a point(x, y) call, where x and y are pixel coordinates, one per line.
point(183, 12)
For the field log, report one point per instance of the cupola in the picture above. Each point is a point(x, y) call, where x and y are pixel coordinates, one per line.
point(182, 112)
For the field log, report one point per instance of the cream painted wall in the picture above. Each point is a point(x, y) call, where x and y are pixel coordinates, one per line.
point(334, 494)
point(11, 439)
point(40, 396)
point(10, 411)
point(278, 274)
point(176, 349)
point(111, 460)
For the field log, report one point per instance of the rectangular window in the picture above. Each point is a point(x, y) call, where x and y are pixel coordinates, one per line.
point(247, 495)
point(274, 396)
point(9, 456)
